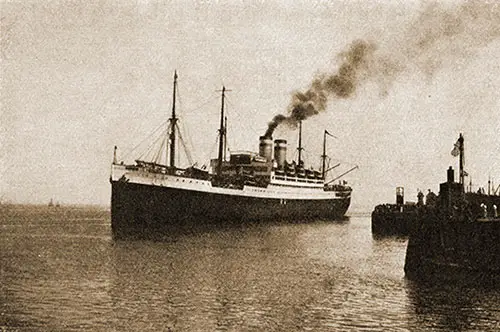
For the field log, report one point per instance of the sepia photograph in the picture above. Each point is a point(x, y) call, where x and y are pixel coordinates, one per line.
point(249, 165)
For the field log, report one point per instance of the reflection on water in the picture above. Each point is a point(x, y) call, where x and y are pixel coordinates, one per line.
point(61, 271)
point(454, 308)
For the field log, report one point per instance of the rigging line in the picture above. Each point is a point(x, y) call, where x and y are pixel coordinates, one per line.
point(163, 150)
point(146, 138)
point(216, 143)
point(151, 146)
point(145, 115)
point(155, 142)
point(154, 158)
point(328, 160)
point(178, 95)
point(144, 155)
point(188, 155)
point(345, 162)
point(188, 133)
point(239, 114)
point(160, 150)
point(187, 113)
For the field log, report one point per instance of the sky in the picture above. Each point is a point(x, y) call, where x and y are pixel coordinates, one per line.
point(78, 78)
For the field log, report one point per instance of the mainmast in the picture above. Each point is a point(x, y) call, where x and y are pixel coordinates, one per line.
point(222, 134)
point(173, 124)
point(299, 148)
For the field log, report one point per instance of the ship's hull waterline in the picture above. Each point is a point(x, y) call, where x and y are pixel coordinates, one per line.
point(140, 209)
point(151, 197)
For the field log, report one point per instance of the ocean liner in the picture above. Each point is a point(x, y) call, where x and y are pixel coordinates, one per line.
point(151, 197)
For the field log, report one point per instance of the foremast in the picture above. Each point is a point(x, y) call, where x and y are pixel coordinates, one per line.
point(173, 124)
point(175, 134)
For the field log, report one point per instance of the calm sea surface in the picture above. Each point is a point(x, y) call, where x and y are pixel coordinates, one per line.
point(60, 270)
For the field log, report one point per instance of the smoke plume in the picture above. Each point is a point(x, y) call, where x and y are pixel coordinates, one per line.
point(341, 85)
point(441, 34)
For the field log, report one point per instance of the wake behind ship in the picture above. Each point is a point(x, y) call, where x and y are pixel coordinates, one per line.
point(149, 197)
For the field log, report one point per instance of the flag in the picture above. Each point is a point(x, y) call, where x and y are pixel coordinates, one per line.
point(456, 149)
point(326, 132)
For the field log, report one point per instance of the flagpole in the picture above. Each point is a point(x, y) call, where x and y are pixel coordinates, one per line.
point(323, 156)
point(461, 147)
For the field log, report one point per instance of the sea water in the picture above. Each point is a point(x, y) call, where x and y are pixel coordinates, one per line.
point(61, 270)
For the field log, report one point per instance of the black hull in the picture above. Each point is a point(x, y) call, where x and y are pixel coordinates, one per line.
point(143, 210)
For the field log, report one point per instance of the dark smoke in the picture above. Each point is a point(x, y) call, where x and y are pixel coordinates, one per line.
point(441, 34)
point(341, 85)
